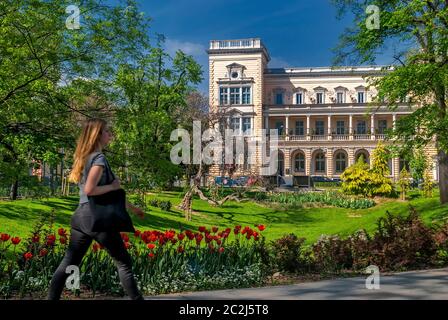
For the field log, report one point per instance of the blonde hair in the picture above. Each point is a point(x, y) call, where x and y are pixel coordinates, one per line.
point(88, 142)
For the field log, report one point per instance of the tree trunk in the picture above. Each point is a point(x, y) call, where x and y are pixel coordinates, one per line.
point(14, 189)
point(443, 176)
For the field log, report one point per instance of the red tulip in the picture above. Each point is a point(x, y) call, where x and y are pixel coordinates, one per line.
point(261, 227)
point(181, 236)
point(125, 237)
point(4, 237)
point(227, 230)
point(180, 249)
point(215, 229)
point(221, 250)
point(95, 247)
point(15, 241)
point(173, 241)
point(127, 245)
point(248, 236)
point(151, 255)
point(137, 233)
point(62, 232)
point(35, 238)
point(202, 229)
point(51, 239)
point(151, 246)
point(153, 238)
point(218, 242)
point(28, 256)
point(43, 252)
point(63, 240)
point(170, 234)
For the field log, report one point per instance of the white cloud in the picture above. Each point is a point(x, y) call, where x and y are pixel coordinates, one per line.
point(194, 49)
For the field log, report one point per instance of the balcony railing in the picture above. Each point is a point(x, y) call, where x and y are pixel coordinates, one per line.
point(362, 137)
point(236, 44)
point(297, 137)
point(380, 136)
point(317, 137)
point(341, 137)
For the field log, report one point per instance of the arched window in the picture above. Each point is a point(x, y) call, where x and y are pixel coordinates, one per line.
point(320, 162)
point(299, 162)
point(341, 162)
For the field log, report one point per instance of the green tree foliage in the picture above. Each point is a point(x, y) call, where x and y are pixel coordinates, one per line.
point(427, 184)
point(420, 74)
point(46, 68)
point(356, 178)
point(418, 164)
point(360, 179)
point(404, 183)
point(52, 77)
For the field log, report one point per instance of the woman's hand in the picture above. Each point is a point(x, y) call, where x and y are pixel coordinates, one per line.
point(116, 184)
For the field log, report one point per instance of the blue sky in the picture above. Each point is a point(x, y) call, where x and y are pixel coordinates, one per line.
point(297, 33)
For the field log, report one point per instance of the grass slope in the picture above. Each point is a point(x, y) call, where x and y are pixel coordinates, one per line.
point(18, 217)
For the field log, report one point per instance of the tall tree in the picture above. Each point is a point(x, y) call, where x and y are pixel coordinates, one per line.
point(47, 65)
point(152, 93)
point(420, 29)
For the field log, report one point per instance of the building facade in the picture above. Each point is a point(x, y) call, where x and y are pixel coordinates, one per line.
point(323, 115)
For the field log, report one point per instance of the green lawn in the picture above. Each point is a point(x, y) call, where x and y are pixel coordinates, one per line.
point(18, 217)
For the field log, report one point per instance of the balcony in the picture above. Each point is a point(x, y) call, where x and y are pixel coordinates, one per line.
point(236, 44)
point(362, 136)
point(297, 138)
point(318, 137)
point(341, 137)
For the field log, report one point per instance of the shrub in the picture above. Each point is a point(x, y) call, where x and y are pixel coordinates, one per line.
point(359, 179)
point(154, 203)
point(286, 252)
point(165, 205)
point(332, 254)
point(404, 183)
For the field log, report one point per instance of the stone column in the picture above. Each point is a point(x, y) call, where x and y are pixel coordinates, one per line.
point(351, 156)
point(350, 127)
point(287, 161)
point(329, 164)
point(372, 126)
point(308, 131)
point(287, 128)
point(308, 162)
point(330, 137)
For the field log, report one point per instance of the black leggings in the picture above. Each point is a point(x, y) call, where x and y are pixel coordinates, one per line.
point(77, 248)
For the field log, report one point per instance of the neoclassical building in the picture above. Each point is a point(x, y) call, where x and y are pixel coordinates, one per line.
point(322, 114)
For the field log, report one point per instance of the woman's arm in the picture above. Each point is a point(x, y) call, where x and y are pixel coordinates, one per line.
point(91, 187)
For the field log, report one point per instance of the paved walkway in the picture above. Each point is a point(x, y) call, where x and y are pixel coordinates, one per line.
point(426, 284)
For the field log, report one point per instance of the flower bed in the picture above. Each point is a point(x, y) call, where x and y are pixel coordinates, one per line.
point(330, 198)
point(163, 262)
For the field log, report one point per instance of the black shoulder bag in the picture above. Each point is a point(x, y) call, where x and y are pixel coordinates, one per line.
point(109, 209)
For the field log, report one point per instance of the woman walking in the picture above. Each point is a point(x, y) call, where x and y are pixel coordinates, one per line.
point(90, 170)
